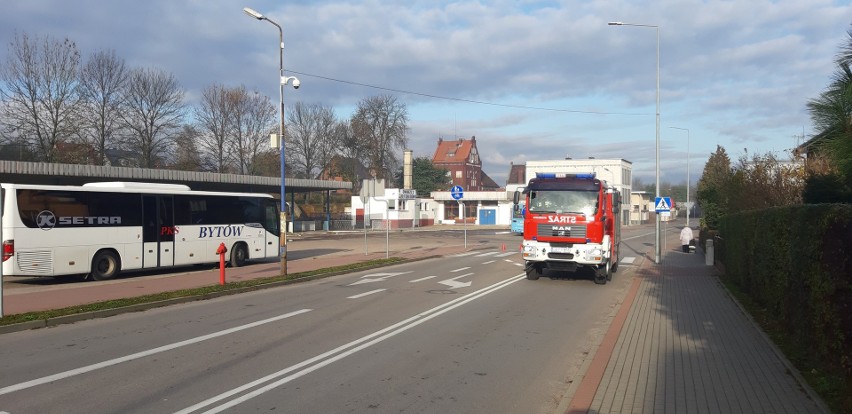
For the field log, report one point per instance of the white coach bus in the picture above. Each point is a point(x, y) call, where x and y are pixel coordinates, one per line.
point(100, 229)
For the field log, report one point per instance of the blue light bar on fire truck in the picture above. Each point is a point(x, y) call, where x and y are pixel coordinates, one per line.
point(587, 176)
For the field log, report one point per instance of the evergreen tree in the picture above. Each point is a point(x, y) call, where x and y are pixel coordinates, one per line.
point(713, 188)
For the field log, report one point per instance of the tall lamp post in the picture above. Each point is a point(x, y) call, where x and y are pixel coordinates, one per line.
point(283, 80)
point(657, 232)
point(688, 183)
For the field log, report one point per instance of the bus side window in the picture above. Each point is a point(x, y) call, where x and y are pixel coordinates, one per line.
point(271, 218)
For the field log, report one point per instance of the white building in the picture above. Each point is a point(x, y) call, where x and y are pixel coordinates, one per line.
point(394, 209)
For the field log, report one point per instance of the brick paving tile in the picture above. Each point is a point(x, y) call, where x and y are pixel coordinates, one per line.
point(687, 347)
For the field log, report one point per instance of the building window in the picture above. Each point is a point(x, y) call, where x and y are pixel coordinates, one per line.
point(459, 174)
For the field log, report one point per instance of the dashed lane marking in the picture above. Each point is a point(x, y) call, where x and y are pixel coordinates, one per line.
point(365, 294)
point(486, 254)
point(422, 279)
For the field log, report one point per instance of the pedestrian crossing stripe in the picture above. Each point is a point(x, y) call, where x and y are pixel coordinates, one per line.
point(662, 205)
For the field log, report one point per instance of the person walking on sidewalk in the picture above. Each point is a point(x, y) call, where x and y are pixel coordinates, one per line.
point(685, 237)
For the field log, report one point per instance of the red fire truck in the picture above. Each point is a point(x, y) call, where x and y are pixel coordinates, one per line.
point(570, 221)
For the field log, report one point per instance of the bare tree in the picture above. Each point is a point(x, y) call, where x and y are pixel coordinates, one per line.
point(254, 120)
point(153, 112)
point(349, 158)
point(767, 182)
point(102, 81)
point(380, 123)
point(215, 121)
point(186, 154)
point(311, 138)
point(40, 78)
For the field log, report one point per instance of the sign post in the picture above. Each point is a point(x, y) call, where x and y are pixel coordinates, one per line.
point(458, 193)
point(663, 205)
point(406, 194)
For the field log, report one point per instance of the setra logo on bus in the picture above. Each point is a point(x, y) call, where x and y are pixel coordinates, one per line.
point(219, 231)
point(46, 220)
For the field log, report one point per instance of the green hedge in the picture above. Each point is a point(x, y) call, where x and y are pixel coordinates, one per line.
point(794, 261)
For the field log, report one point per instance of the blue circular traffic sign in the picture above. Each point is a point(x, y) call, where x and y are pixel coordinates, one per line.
point(457, 192)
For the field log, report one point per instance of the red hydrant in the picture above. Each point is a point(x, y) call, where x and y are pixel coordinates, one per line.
point(221, 252)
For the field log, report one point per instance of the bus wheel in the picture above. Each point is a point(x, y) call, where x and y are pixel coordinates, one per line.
point(105, 265)
point(239, 254)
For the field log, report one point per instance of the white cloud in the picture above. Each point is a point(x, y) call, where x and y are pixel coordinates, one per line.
point(738, 74)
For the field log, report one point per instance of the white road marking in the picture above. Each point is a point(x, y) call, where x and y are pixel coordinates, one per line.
point(342, 351)
point(422, 279)
point(131, 357)
point(628, 260)
point(465, 254)
point(460, 269)
point(639, 236)
point(455, 284)
point(506, 254)
point(376, 277)
point(361, 295)
point(489, 262)
point(486, 254)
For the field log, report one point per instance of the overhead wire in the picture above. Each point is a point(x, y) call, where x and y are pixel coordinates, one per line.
point(428, 95)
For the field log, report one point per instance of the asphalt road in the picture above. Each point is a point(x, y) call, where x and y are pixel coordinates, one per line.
point(463, 334)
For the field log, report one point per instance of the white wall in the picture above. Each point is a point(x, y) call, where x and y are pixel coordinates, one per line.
point(376, 208)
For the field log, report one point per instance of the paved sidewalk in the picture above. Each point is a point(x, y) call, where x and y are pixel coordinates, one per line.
point(681, 344)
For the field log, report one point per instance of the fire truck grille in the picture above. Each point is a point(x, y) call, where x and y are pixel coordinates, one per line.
point(560, 256)
point(577, 231)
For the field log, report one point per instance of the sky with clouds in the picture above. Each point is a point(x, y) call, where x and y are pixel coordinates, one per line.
point(532, 80)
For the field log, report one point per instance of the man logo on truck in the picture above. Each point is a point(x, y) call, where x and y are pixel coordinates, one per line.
point(562, 231)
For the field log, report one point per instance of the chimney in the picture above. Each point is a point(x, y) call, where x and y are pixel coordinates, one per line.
point(406, 169)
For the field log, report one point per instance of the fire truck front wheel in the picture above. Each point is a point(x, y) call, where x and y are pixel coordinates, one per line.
point(533, 271)
point(603, 273)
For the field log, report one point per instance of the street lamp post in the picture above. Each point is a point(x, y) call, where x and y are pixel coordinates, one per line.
point(688, 206)
point(657, 231)
point(282, 80)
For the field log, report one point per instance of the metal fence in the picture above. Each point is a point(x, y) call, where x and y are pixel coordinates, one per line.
point(338, 222)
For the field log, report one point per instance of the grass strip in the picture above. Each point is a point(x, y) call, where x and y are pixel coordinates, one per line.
point(200, 292)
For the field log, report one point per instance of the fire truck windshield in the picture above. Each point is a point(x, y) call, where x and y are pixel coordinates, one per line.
point(576, 202)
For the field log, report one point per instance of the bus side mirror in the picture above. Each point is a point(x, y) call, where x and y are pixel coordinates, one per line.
point(517, 197)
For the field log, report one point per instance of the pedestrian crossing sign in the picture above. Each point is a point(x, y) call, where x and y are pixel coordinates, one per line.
point(663, 204)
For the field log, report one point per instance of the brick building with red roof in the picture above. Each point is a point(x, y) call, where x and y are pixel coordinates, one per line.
point(461, 159)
